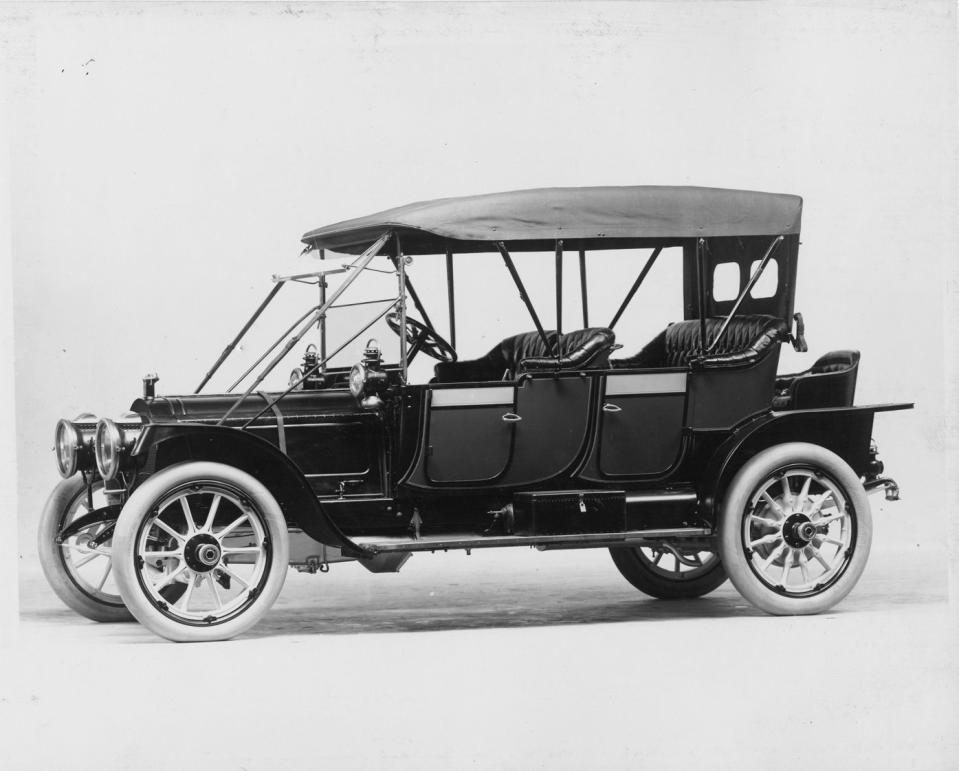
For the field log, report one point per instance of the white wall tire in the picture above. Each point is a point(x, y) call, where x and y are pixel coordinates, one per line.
point(201, 552)
point(80, 575)
point(795, 529)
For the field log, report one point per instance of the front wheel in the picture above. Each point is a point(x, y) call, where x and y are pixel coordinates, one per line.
point(201, 552)
point(79, 567)
point(795, 529)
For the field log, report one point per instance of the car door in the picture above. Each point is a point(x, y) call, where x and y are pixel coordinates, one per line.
point(641, 422)
point(469, 432)
point(553, 426)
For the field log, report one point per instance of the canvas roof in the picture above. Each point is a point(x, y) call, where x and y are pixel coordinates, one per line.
point(584, 217)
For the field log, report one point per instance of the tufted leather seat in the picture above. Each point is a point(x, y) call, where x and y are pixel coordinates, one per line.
point(579, 349)
point(830, 382)
point(746, 340)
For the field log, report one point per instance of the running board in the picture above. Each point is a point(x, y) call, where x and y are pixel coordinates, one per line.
point(380, 545)
point(658, 499)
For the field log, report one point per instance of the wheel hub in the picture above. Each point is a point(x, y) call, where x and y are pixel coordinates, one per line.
point(83, 540)
point(798, 531)
point(202, 553)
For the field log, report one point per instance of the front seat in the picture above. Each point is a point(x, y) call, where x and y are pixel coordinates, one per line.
point(578, 349)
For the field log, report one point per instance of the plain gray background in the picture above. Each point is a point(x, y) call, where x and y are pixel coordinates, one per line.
point(163, 161)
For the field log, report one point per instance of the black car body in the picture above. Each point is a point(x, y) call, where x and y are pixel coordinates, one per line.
point(553, 439)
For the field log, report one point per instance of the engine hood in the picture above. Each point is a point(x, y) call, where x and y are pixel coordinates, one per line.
point(210, 408)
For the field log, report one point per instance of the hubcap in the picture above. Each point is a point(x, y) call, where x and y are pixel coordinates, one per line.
point(202, 552)
point(798, 532)
point(204, 555)
point(209, 555)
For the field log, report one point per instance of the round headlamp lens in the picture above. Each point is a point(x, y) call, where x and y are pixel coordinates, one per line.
point(357, 380)
point(66, 446)
point(107, 448)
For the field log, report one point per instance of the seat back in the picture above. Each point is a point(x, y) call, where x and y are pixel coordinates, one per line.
point(836, 361)
point(830, 382)
point(578, 349)
point(746, 340)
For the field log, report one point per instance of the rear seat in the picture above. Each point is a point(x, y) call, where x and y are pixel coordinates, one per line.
point(747, 340)
point(830, 382)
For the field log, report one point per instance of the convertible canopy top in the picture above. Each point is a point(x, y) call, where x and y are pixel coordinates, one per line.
point(584, 217)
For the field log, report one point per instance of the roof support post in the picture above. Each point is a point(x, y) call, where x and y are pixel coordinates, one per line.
point(322, 324)
point(559, 286)
point(239, 336)
point(413, 295)
point(449, 294)
point(632, 290)
point(400, 262)
point(522, 293)
point(582, 287)
point(416, 299)
point(701, 289)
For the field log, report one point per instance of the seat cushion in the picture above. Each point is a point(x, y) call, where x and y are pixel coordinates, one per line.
point(746, 339)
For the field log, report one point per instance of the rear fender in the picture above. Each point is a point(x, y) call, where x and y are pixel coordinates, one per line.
point(845, 431)
point(162, 445)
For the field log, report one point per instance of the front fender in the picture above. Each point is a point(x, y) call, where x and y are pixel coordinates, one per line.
point(163, 444)
point(845, 431)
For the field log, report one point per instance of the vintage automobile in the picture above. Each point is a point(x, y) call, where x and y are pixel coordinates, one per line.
point(690, 459)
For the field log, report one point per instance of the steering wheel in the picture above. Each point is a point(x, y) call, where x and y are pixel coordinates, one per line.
point(420, 337)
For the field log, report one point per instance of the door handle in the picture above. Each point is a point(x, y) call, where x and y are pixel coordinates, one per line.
point(610, 407)
point(511, 417)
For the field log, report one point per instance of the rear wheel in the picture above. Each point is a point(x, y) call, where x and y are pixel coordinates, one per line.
point(795, 529)
point(201, 552)
point(80, 569)
point(670, 571)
